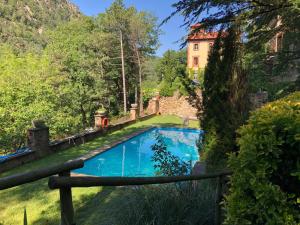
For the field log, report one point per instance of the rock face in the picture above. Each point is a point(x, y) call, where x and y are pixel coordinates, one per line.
point(178, 106)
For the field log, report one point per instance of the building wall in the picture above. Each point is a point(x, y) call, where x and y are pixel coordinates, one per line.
point(201, 53)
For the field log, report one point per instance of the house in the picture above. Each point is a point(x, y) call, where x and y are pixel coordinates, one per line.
point(198, 46)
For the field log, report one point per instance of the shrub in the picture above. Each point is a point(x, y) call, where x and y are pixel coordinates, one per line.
point(165, 162)
point(180, 85)
point(149, 91)
point(192, 203)
point(265, 184)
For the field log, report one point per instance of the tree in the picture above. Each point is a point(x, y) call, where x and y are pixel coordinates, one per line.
point(27, 93)
point(172, 71)
point(75, 49)
point(224, 97)
point(115, 21)
point(139, 39)
point(143, 36)
point(260, 21)
point(256, 15)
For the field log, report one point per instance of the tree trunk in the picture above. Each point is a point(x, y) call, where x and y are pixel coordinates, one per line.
point(123, 73)
point(141, 103)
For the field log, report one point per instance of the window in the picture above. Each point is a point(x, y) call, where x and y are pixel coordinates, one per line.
point(195, 61)
point(196, 47)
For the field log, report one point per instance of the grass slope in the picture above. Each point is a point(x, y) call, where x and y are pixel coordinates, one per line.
point(93, 206)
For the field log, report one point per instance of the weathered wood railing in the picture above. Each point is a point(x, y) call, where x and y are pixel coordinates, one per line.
point(64, 182)
point(31, 176)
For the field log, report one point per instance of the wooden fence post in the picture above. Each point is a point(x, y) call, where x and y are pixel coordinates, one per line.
point(66, 203)
point(218, 201)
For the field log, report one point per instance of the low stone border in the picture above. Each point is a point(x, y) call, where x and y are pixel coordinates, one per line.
point(88, 136)
point(93, 153)
point(17, 160)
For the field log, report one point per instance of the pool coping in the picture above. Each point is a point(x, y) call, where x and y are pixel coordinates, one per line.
point(107, 147)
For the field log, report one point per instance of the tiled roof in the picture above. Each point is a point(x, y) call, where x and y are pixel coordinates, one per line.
point(201, 34)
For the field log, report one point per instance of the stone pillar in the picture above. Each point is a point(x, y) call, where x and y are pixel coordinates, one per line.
point(154, 106)
point(98, 121)
point(133, 111)
point(38, 140)
point(99, 117)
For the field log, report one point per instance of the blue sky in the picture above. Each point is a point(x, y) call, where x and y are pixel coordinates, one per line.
point(172, 32)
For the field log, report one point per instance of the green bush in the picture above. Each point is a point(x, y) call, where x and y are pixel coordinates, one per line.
point(168, 204)
point(179, 84)
point(265, 186)
point(149, 91)
point(165, 89)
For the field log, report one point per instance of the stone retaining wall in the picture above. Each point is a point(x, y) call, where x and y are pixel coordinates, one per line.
point(178, 106)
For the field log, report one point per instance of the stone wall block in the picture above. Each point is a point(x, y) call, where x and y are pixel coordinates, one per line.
point(38, 140)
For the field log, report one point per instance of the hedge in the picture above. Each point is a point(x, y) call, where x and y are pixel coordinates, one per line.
point(265, 186)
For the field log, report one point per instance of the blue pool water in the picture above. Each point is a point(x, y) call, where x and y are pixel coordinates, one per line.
point(134, 156)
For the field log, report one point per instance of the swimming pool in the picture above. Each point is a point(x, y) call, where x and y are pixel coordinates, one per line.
point(133, 157)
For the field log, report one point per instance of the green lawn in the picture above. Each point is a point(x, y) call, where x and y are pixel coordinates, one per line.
point(92, 205)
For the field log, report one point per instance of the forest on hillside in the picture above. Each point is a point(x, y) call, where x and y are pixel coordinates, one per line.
point(60, 66)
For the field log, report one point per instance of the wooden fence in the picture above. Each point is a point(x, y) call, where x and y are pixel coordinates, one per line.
point(64, 182)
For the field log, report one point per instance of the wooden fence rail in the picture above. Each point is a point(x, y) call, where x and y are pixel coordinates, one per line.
point(87, 181)
point(31, 176)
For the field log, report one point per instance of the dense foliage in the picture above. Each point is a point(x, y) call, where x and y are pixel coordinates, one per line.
point(74, 70)
point(80, 61)
point(23, 23)
point(26, 93)
point(165, 162)
point(224, 98)
point(256, 15)
point(265, 185)
point(173, 73)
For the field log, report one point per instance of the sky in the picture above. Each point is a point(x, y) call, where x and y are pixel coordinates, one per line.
point(172, 31)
